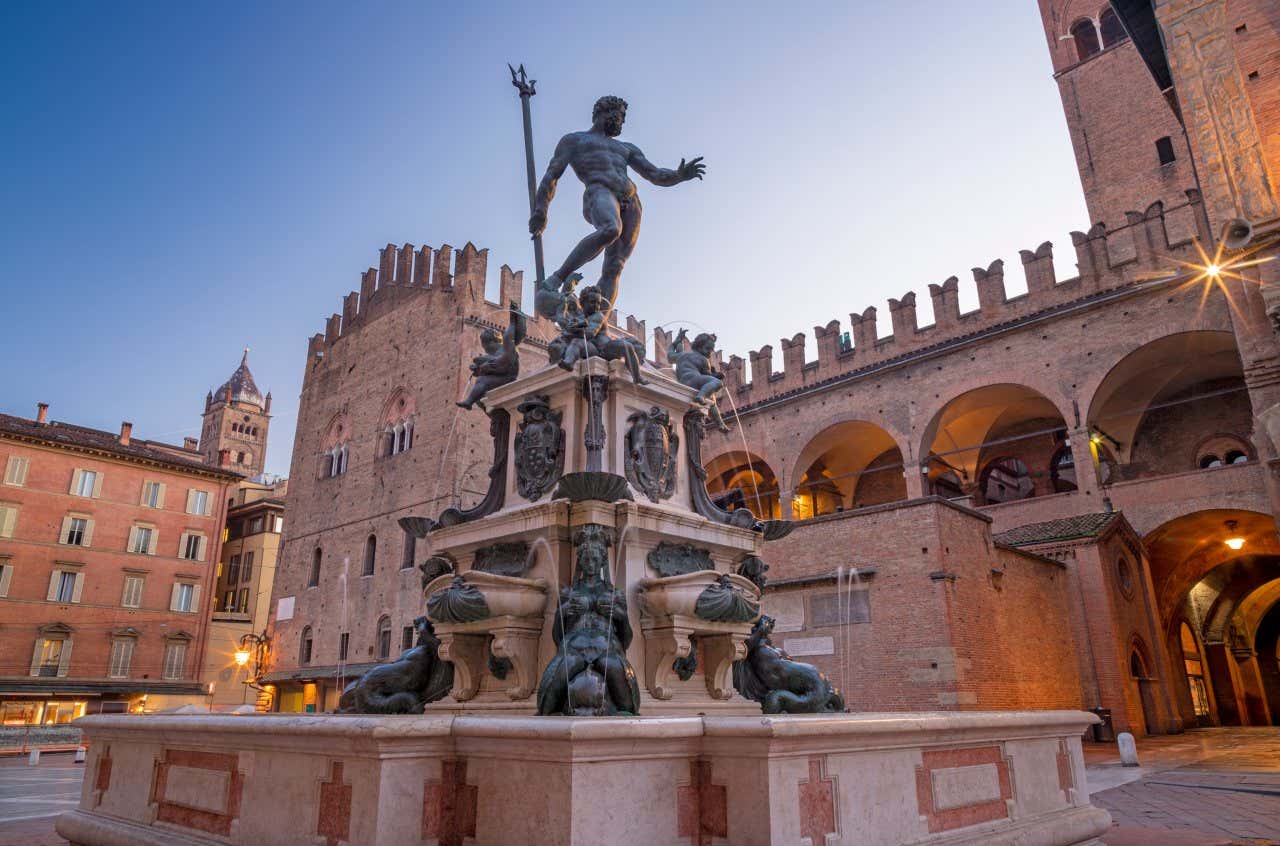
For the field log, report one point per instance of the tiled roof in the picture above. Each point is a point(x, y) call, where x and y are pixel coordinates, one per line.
point(69, 434)
point(241, 385)
point(1067, 528)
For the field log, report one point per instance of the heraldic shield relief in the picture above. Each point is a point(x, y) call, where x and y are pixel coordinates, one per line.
point(539, 447)
point(652, 447)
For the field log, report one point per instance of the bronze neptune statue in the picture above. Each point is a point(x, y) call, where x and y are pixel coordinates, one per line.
point(610, 203)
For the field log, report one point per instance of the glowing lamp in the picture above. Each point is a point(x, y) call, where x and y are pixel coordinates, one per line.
point(242, 656)
point(1213, 270)
point(1233, 542)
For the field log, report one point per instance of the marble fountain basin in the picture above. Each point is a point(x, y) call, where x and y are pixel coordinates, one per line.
point(509, 596)
point(677, 596)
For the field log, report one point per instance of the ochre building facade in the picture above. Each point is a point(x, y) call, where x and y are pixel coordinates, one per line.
point(1064, 498)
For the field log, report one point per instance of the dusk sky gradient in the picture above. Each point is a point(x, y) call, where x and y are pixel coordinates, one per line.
point(181, 181)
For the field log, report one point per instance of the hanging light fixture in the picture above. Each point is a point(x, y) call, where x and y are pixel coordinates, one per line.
point(1233, 540)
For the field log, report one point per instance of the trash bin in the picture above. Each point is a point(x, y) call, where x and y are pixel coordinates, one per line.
point(1103, 732)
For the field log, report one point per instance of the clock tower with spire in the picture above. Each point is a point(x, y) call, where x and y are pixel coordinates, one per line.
point(236, 419)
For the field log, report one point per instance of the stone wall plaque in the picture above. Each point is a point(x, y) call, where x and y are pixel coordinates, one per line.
point(835, 609)
point(796, 646)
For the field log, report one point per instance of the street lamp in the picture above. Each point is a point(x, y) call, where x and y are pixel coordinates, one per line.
point(252, 647)
point(1234, 542)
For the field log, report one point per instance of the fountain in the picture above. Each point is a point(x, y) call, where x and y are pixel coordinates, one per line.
point(594, 667)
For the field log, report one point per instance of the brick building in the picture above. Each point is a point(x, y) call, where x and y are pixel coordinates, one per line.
point(107, 550)
point(236, 419)
point(1061, 499)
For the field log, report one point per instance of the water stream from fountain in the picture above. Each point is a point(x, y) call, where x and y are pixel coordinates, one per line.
point(543, 543)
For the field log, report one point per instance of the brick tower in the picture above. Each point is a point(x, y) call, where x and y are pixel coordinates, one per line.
point(236, 419)
point(1130, 148)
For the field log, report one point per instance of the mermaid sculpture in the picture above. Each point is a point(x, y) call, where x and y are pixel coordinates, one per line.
point(405, 685)
point(590, 674)
point(780, 685)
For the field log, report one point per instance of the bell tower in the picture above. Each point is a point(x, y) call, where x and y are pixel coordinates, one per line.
point(236, 419)
point(1130, 146)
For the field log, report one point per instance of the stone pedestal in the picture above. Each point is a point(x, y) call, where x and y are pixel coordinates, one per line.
point(564, 426)
point(866, 779)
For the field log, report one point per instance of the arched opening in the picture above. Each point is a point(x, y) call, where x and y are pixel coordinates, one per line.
point(383, 645)
point(1111, 28)
point(1193, 672)
point(742, 480)
point(1085, 35)
point(998, 443)
point(854, 464)
point(1217, 572)
point(1176, 404)
point(304, 647)
point(370, 554)
point(1144, 679)
point(316, 558)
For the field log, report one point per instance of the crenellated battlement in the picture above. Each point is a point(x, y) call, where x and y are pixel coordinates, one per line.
point(1105, 260)
point(407, 271)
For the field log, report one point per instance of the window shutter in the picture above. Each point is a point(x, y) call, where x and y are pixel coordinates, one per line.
point(79, 587)
point(151, 547)
point(75, 481)
point(6, 575)
point(97, 485)
point(15, 471)
point(65, 664)
point(88, 533)
point(191, 498)
point(132, 543)
point(160, 496)
point(200, 550)
point(182, 544)
point(173, 598)
point(195, 599)
point(142, 497)
point(208, 505)
point(52, 596)
point(66, 530)
point(35, 656)
point(8, 516)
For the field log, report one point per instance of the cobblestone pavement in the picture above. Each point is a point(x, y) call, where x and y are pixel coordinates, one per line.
point(31, 797)
point(1201, 788)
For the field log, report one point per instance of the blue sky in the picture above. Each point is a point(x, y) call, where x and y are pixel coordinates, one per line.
point(183, 180)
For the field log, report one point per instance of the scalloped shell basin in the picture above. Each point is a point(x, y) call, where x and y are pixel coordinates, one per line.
point(672, 595)
point(505, 595)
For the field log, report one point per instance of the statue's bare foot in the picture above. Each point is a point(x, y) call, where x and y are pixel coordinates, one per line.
point(463, 404)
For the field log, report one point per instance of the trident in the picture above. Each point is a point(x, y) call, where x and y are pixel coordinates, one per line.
point(525, 86)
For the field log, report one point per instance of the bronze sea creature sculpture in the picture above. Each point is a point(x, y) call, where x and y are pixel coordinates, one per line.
point(405, 685)
point(780, 685)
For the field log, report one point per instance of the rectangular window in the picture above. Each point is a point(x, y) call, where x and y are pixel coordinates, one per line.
point(242, 605)
point(1164, 149)
point(6, 575)
point(344, 640)
point(247, 573)
point(66, 587)
point(132, 592)
point(15, 471)
point(233, 570)
point(229, 601)
point(406, 638)
point(193, 547)
point(8, 519)
point(277, 524)
point(255, 526)
point(88, 483)
point(77, 531)
point(410, 549)
point(142, 540)
point(198, 502)
point(183, 597)
point(121, 655)
point(153, 494)
point(50, 659)
point(175, 657)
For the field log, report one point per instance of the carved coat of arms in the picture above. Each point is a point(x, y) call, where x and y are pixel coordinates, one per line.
point(652, 449)
point(539, 448)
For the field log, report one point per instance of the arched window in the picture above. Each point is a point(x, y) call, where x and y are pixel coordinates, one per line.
point(1005, 480)
point(336, 461)
point(316, 558)
point(1209, 460)
point(370, 554)
point(304, 647)
point(1193, 664)
point(1062, 470)
point(1235, 456)
point(1085, 35)
point(384, 638)
point(1112, 30)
